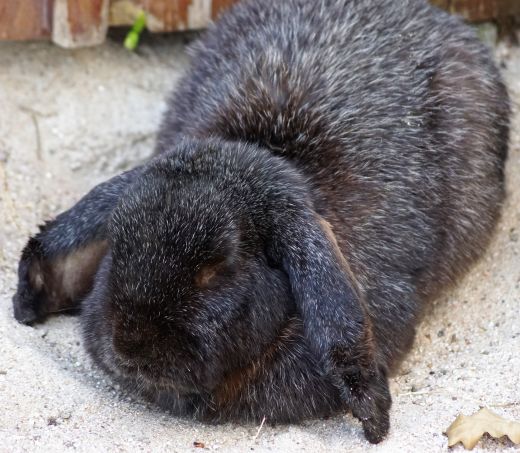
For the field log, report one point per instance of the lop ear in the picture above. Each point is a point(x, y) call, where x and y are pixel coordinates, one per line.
point(57, 266)
point(323, 286)
point(336, 324)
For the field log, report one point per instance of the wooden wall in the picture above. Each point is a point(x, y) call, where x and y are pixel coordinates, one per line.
point(481, 10)
point(25, 19)
point(75, 23)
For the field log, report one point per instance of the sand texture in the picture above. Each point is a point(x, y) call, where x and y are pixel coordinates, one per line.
point(70, 119)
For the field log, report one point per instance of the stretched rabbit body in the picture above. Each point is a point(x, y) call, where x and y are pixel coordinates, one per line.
point(324, 169)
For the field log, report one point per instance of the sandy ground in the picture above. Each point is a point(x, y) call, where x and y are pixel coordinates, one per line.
point(69, 119)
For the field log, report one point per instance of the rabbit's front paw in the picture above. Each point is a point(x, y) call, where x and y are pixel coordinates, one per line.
point(365, 390)
point(370, 402)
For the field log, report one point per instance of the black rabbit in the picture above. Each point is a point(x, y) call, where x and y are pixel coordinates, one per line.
point(324, 169)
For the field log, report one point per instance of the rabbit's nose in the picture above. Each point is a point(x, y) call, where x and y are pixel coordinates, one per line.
point(128, 348)
point(132, 342)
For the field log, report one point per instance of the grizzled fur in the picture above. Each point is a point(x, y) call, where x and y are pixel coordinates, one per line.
point(324, 169)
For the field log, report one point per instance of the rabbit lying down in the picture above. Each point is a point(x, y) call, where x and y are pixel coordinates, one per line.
point(324, 169)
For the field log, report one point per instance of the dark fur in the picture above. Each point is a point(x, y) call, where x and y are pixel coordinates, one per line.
point(324, 169)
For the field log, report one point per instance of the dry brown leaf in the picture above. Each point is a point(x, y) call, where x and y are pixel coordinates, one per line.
point(469, 430)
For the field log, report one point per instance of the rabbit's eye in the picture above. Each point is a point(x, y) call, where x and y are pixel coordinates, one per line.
point(211, 274)
point(206, 276)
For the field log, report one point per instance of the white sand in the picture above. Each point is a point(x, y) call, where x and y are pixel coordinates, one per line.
point(69, 119)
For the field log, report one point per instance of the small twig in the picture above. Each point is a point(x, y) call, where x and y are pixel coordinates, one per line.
point(38, 136)
point(33, 114)
point(258, 432)
point(505, 404)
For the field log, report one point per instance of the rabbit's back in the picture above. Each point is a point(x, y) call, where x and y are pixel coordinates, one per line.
point(292, 74)
point(395, 113)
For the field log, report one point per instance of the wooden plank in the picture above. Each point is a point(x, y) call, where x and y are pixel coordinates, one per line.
point(25, 19)
point(444, 4)
point(481, 10)
point(164, 15)
point(168, 15)
point(80, 23)
point(219, 6)
point(477, 10)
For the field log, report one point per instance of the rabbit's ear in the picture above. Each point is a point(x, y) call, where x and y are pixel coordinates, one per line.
point(323, 286)
point(336, 325)
point(54, 284)
point(57, 266)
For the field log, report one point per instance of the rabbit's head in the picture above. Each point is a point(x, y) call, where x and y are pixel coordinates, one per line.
point(190, 293)
point(222, 280)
